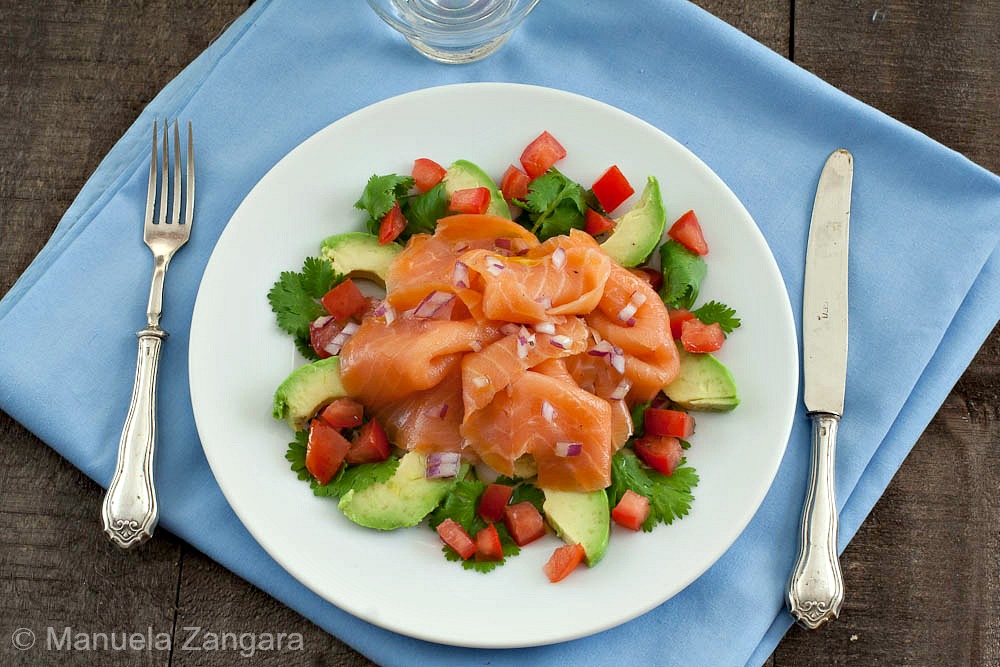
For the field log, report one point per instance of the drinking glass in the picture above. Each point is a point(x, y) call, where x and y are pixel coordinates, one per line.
point(454, 31)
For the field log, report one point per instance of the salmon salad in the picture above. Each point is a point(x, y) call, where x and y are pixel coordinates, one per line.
point(505, 362)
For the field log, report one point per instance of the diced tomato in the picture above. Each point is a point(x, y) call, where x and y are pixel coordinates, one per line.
point(687, 231)
point(671, 423)
point(541, 154)
point(677, 318)
point(321, 332)
point(488, 545)
point(651, 276)
point(659, 453)
point(344, 300)
point(392, 225)
point(595, 223)
point(343, 413)
point(699, 337)
point(470, 200)
point(454, 536)
point(427, 173)
point(631, 511)
point(494, 500)
point(325, 451)
point(524, 522)
point(612, 188)
point(370, 445)
point(563, 561)
point(514, 184)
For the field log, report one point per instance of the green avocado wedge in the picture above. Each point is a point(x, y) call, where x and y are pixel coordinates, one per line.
point(580, 517)
point(640, 230)
point(462, 175)
point(401, 501)
point(703, 383)
point(360, 255)
point(306, 390)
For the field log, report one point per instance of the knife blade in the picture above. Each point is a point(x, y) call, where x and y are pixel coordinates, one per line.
point(816, 587)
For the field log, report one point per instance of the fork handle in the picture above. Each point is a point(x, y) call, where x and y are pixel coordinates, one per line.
point(130, 510)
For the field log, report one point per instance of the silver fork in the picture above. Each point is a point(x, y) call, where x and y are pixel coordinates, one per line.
point(130, 509)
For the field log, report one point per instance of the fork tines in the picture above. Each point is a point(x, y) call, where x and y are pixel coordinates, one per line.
point(157, 208)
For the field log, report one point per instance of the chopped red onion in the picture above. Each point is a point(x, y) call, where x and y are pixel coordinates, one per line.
point(460, 276)
point(561, 341)
point(602, 349)
point(548, 412)
point(334, 346)
point(321, 321)
point(494, 266)
point(432, 303)
point(522, 252)
point(545, 302)
point(476, 346)
point(559, 257)
point(545, 327)
point(386, 311)
point(617, 359)
point(442, 464)
point(621, 391)
point(525, 341)
point(509, 329)
point(440, 412)
point(503, 243)
point(569, 448)
point(627, 314)
point(461, 246)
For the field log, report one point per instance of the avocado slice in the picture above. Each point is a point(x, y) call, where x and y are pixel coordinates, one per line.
point(703, 383)
point(306, 390)
point(462, 175)
point(580, 517)
point(360, 255)
point(639, 231)
point(401, 501)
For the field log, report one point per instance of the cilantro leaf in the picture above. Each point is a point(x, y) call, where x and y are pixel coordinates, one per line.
point(714, 311)
point(510, 548)
point(670, 496)
point(529, 492)
point(355, 477)
point(639, 419)
point(460, 504)
point(424, 210)
point(294, 297)
point(555, 205)
point(683, 272)
point(381, 192)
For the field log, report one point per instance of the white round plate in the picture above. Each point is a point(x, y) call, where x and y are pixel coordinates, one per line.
point(400, 580)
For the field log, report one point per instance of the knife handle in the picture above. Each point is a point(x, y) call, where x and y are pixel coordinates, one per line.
point(816, 588)
point(130, 510)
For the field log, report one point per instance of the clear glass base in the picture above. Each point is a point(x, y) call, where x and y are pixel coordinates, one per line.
point(458, 54)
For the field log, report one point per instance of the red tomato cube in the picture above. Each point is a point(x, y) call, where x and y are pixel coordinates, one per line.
point(631, 511)
point(524, 522)
point(669, 423)
point(612, 188)
point(454, 536)
point(563, 561)
point(370, 445)
point(344, 300)
point(687, 231)
point(321, 332)
point(343, 413)
point(541, 155)
point(392, 225)
point(494, 500)
point(427, 173)
point(661, 454)
point(488, 546)
point(514, 184)
point(470, 200)
point(325, 451)
point(699, 338)
point(678, 317)
point(596, 224)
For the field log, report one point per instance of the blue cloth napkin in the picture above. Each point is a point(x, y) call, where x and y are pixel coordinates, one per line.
point(922, 302)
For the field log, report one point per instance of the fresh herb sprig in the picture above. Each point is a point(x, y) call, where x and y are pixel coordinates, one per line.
point(669, 497)
point(294, 298)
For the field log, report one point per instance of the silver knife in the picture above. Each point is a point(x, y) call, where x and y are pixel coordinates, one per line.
point(816, 587)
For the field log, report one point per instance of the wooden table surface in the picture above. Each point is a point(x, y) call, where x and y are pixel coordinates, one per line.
point(921, 574)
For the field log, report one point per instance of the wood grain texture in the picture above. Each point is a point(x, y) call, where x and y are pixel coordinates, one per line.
point(922, 574)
